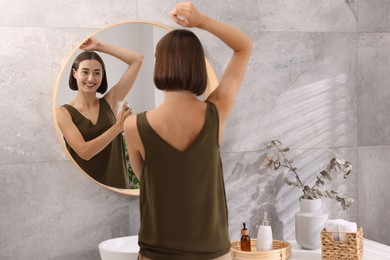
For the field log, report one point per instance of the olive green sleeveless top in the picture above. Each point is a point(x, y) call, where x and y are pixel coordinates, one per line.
point(108, 166)
point(182, 198)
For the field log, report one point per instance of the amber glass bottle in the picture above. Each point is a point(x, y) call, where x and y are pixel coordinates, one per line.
point(245, 239)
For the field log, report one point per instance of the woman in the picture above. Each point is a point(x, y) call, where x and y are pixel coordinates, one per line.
point(92, 132)
point(174, 148)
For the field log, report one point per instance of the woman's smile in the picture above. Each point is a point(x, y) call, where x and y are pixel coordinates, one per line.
point(89, 75)
point(89, 85)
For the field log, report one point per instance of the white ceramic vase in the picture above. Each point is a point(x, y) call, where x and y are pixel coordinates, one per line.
point(309, 223)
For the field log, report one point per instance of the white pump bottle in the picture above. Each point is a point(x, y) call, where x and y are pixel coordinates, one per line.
point(264, 235)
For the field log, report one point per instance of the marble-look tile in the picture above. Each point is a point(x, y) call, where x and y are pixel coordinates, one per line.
point(242, 14)
point(67, 14)
point(156, 11)
point(374, 200)
point(374, 16)
point(373, 89)
point(46, 206)
point(252, 189)
point(30, 61)
point(308, 15)
point(299, 86)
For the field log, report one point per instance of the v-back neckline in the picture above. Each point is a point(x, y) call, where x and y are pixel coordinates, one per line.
point(192, 144)
point(90, 121)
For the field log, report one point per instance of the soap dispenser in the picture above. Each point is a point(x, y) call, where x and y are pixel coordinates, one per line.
point(264, 235)
point(245, 239)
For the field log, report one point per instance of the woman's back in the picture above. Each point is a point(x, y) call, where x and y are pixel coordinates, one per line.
point(182, 192)
point(179, 119)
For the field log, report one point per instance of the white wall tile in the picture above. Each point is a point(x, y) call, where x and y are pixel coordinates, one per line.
point(308, 15)
point(374, 16)
point(374, 200)
point(66, 14)
point(299, 86)
point(373, 89)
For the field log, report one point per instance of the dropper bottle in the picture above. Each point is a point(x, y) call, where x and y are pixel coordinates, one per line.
point(245, 239)
point(264, 235)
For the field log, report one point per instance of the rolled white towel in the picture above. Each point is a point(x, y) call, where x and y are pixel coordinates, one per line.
point(340, 225)
point(346, 226)
point(331, 225)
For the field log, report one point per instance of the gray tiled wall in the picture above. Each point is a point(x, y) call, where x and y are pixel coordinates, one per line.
point(317, 81)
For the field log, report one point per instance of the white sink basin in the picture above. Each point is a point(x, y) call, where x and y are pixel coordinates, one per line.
point(121, 248)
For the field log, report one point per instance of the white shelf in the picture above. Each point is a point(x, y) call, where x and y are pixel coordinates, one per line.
point(371, 251)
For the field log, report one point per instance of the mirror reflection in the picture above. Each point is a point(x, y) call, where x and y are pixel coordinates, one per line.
point(105, 79)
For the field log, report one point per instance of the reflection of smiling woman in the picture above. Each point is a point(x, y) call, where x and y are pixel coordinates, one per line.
point(90, 128)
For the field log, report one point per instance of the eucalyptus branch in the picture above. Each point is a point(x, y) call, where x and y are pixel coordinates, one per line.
point(288, 162)
point(313, 192)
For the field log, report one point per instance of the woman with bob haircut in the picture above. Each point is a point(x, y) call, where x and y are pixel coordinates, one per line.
point(191, 59)
point(174, 148)
point(92, 127)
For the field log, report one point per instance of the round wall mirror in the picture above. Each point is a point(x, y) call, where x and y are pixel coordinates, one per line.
point(138, 36)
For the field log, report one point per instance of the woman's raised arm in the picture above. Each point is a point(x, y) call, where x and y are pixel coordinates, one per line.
point(185, 14)
point(119, 91)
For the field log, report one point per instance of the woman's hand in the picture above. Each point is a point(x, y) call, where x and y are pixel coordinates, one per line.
point(124, 112)
point(185, 14)
point(90, 44)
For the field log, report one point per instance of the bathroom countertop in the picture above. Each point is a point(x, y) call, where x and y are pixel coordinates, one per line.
point(371, 251)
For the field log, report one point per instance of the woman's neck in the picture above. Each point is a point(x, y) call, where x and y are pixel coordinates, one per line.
point(85, 100)
point(178, 95)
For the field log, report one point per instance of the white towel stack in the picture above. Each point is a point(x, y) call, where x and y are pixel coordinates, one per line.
point(340, 225)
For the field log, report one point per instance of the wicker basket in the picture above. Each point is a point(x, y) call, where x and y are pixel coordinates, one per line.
point(281, 250)
point(349, 248)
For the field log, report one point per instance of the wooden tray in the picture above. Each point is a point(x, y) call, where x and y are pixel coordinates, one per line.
point(281, 250)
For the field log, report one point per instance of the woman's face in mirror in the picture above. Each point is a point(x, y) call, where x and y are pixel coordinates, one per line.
point(88, 74)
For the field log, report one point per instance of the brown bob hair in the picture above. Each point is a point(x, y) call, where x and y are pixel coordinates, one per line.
point(88, 55)
point(180, 63)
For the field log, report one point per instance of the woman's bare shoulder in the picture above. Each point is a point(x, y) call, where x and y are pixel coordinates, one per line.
point(130, 124)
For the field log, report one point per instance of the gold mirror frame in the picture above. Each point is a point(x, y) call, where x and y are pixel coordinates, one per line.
point(212, 84)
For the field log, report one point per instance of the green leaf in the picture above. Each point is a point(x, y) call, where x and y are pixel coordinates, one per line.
point(277, 142)
point(329, 194)
point(287, 181)
point(319, 192)
point(320, 181)
point(326, 175)
point(274, 143)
